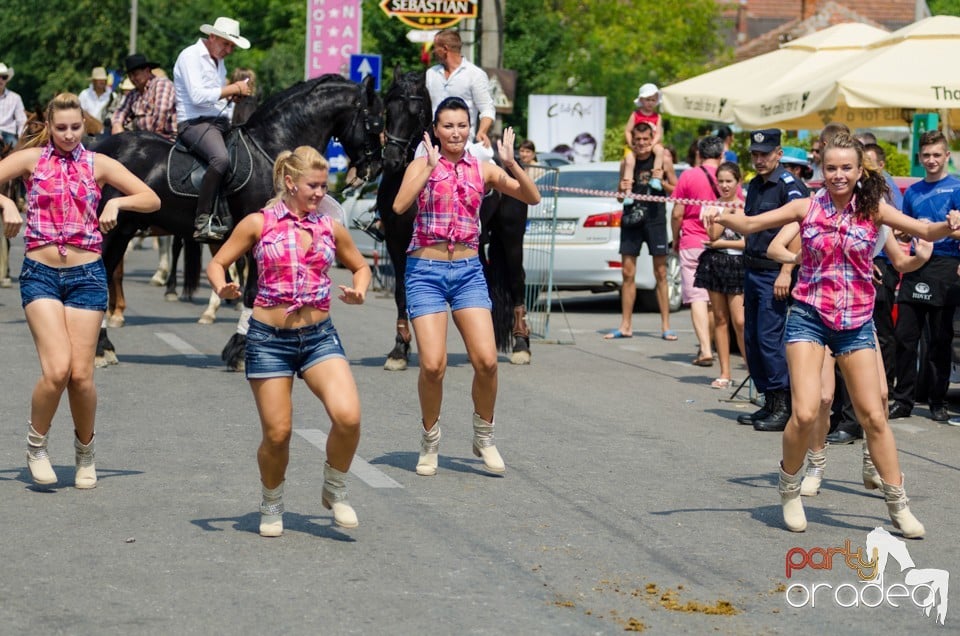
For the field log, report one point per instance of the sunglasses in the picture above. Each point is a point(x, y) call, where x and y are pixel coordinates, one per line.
point(4, 77)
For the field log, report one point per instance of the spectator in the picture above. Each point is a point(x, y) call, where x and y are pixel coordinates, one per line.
point(689, 237)
point(650, 227)
point(928, 295)
point(720, 272)
point(647, 102)
point(795, 161)
point(726, 134)
point(12, 116)
point(245, 106)
point(95, 98)
point(152, 105)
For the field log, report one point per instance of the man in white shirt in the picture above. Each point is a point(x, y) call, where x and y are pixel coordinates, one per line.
point(454, 76)
point(12, 116)
point(204, 109)
point(94, 98)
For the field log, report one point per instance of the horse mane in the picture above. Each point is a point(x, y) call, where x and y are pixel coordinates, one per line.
point(268, 108)
point(410, 78)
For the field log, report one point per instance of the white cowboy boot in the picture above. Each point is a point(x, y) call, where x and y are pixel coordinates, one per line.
point(38, 461)
point(903, 520)
point(871, 478)
point(334, 497)
point(271, 511)
point(484, 445)
point(813, 476)
point(86, 475)
point(429, 451)
point(793, 516)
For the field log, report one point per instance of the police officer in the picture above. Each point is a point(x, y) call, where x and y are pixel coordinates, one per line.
point(766, 285)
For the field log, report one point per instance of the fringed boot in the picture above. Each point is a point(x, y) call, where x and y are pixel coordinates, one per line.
point(335, 497)
point(793, 516)
point(813, 476)
point(903, 520)
point(271, 511)
point(484, 445)
point(429, 450)
point(38, 461)
point(871, 478)
point(86, 475)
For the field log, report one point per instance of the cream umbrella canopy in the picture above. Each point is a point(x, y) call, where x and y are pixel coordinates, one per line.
point(715, 95)
point(913, 67)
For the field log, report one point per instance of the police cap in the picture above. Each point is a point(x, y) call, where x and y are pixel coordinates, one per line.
point(764, 140)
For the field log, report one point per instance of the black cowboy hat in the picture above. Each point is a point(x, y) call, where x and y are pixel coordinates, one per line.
point(137, 61)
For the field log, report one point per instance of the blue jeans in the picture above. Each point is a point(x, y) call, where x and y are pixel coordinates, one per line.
point(272, 352)
point(432, 284)
point(804, 325)
point(81, 287)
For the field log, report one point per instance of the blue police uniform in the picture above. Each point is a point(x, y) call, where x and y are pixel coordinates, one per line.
point(765, 317)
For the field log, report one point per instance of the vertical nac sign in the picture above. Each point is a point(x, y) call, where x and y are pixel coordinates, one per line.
point(430, 14)
point(333, 35)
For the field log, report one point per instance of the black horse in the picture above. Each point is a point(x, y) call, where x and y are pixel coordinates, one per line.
point(408, 114)
point(308, 113)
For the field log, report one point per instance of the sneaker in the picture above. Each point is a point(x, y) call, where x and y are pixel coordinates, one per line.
point(655, 184)
point(953, 421)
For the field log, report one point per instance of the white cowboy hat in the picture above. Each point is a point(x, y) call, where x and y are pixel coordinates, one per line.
point(6, 70)
point(98, 73)
point(228, 29)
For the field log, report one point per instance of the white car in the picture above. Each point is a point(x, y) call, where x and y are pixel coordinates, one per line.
point(587, 237)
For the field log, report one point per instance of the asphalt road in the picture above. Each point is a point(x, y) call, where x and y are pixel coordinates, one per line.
point(632, 499)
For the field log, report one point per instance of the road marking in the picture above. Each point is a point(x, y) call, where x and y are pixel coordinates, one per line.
point(179, 344)
point(360, 468)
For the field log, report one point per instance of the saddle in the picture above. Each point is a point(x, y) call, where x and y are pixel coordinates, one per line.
point(185, 170)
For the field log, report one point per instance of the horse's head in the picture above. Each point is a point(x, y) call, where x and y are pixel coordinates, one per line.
point(408, 112)
point(361, 140)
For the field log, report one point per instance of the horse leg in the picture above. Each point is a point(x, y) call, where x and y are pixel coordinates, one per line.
point(209, 314)
point(521, 336)
point(116, 303)
point(106, 352)
point(235, 350)
point(399, 356)
point(170, 294)
point(5, 280)
point(192, 256)
point(163, 264)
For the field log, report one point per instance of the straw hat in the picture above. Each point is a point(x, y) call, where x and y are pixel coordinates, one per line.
point(126, 84)
point(6, 70)
point(228, 29)
point(98, 73)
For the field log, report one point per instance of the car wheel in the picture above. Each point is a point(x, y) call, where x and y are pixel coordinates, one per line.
point(674, 292)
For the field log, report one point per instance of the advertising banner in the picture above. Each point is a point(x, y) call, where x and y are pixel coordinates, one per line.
point(569, 124)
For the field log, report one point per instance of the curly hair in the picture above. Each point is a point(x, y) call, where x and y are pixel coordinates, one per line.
point(872, 186)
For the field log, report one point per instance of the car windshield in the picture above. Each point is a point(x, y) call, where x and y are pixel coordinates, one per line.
point(590, 180)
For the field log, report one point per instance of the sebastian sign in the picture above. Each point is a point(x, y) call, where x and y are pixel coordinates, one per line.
point(430, 14)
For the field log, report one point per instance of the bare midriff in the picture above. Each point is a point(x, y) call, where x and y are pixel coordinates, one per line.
point(278, 317)
point(442, 251)
point(50, 256)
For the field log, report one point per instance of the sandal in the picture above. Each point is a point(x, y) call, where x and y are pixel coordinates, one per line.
point(669, 334)
point(722, 383)
point(702, 361)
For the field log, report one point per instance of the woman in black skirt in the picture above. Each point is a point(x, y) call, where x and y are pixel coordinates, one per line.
point(720, 272)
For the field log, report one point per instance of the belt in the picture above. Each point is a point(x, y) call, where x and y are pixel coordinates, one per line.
point(754, 262)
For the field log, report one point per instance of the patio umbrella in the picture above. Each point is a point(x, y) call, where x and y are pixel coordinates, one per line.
point(715, 95)
point(912, 67)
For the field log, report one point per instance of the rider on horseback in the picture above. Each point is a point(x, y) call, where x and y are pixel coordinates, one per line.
point(204, 107)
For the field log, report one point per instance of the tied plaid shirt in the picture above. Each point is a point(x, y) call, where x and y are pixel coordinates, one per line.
point(449, 206)
point(836, 266)
point(289, 273)
point(155, 109)
point(62, 200)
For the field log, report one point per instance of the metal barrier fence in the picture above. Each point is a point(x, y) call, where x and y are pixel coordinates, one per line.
point(538, 252)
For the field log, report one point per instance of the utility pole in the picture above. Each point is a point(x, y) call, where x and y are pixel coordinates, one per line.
point(132, 48)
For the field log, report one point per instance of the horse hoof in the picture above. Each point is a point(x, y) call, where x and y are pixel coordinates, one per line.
point(238, 366)
point(520, 357)
point(395, 364)
point(6, 282)
point(206, 319)
point(110, 356)
point(171, 297)
point(100, 362)
point(159, 278)
point(115, 321)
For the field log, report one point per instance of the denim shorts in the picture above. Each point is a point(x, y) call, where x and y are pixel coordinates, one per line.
point(272, 352)
point(804, 325)
point(80, 287)
point(432, 284)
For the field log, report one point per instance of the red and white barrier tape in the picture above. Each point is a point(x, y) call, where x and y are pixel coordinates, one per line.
point(645, 197)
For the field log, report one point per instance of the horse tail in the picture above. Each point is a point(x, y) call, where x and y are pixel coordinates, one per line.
point(499, 284)
point(192, 255)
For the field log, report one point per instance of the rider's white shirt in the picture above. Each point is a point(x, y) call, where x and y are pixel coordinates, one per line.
point(198, 82)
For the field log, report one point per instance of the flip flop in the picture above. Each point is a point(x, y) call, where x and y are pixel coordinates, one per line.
point(703, 362)
point(616, 334)
point(721, 383)
point(669, 334)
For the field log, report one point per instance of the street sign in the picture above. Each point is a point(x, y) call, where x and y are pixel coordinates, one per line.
point(429, 14)
point(336, 157)
point(362, 65)
point(333, 34)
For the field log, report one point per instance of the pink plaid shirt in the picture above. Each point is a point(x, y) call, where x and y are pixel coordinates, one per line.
point(836, 266)
point(62, 199)
point(449, 205)
point(290, 274)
